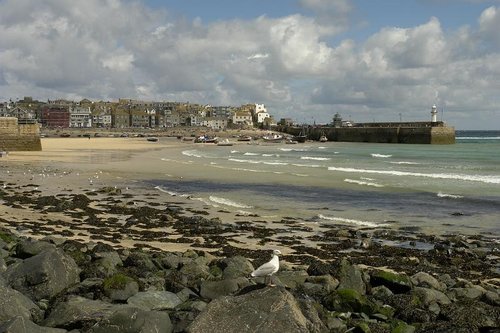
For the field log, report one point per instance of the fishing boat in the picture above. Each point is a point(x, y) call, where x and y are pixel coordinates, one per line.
point(323, 138)
point(274, 138)
point(152, 139)
point(206, 139)
point(302, 137)
point(3, 153)
point(245, 138)
point(224, 142)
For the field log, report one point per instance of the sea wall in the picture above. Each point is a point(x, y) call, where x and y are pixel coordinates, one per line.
point(410, 135)
point(15, 137)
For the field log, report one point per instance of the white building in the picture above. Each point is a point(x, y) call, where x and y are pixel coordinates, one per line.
point(261, 113)
point(80, 116)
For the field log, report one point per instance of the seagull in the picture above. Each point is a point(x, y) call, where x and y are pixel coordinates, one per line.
point(269, 268)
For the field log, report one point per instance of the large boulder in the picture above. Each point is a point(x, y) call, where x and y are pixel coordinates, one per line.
point(28, 248)
point(351, 277)
point(262, 310)
point(13, 303)
point(44, 275)
point(216, 289)
point(20, 324)
point(397, 283)
point(133, 320)
point(237, 266)
point(155, 300)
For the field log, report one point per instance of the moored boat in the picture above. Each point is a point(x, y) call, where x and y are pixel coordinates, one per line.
point(152, 139)
point(275, 138)
point(323, 138)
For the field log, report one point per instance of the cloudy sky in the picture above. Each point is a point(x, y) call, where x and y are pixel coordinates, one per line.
point(305, 59)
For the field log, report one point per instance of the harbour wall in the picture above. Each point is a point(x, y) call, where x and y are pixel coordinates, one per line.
point(380, 134)
point(19, 137)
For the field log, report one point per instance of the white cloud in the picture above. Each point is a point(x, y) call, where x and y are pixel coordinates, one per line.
point(111, 49)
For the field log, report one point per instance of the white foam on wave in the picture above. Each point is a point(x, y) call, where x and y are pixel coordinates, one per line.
point(322, 147)
point(207, 202)
point(275, 163)
point(270, 155)
point(404, 162)
point(351, 221)
point(315, 158)
point(192, 153)
point(243, 161)
point(361, 182)
point(451, 196)
point(381, 156)
point(472, 178)
point(234, 151)
point(251, 154)
point(307, 165)
point(227, 202)
point(176, 161)
point(172, 193)
point(292, 149)
point(478, 137)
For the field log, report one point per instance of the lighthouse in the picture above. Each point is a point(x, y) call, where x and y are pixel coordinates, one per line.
point(434, 114)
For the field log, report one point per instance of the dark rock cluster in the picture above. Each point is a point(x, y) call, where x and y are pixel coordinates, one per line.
point(57, 285)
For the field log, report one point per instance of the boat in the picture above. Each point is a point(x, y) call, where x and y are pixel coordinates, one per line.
point(224, 142)
point(65, 135)
point(302, 137)
point(291, 142)
point(323, 138)
point(206, 139)
point(3, 153)
point(245, 138)
point(152, 139)
point(275, 138)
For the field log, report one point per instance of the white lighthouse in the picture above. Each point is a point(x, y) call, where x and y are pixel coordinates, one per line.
point(434, 114)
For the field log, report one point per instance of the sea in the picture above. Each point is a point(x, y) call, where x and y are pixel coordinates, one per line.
point(437, 189)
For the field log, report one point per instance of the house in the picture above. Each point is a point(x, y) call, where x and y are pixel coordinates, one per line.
point(55, 116)
point(80, 117)
point(215, 123)
point(242, 118)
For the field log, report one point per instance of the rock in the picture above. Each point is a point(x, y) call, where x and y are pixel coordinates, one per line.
point(474, 292)
point(141, 263)
point(397, 283)
point(3, 266)
point(120, 287)
point(492, 298)
point(426, 280)
point(428, 296)
point(155, 300)
point(13, 303)
point(319, 286)
point(344, 300)
point(106, 264)
point(133, 320)
point(292, 279)
point(20, 324)
point(336, 325)
point(351, 277)
point(78, 312)
point(28, 248)
point(263, 310)
point(215, 289)
point(381, 293)
point(195, 272)
point(402, 327)
point(43, 275)
point(320, 268)
point(237, 266)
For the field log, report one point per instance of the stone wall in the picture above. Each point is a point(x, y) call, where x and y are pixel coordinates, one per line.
point(410, 135)
point(14, 137)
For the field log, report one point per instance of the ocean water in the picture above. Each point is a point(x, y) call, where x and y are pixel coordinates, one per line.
point(439, 189)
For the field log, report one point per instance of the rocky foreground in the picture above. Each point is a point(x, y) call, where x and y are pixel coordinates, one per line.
point(339, 280)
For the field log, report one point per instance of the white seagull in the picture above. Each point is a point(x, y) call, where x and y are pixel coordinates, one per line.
point(269, 268)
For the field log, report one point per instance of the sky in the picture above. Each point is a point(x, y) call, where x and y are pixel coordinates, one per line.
point(306, 60)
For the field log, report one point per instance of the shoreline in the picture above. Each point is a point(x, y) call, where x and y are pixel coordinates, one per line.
point(58, 176)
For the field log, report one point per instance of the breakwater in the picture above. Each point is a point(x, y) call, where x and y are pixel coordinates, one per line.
point(410, 133)
point(19, 137)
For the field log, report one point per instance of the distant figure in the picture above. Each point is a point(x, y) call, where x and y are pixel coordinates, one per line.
point(269, 268)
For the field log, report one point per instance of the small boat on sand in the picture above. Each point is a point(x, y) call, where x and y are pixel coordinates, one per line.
point(152, 139)
point(323, 138)
point(245, 138)
point(274, 138)
point(224, 142)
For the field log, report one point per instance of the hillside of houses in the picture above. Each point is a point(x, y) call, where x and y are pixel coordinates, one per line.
point(129, 113)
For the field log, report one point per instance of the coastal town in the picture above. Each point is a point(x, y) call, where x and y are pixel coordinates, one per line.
point(129, 113)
